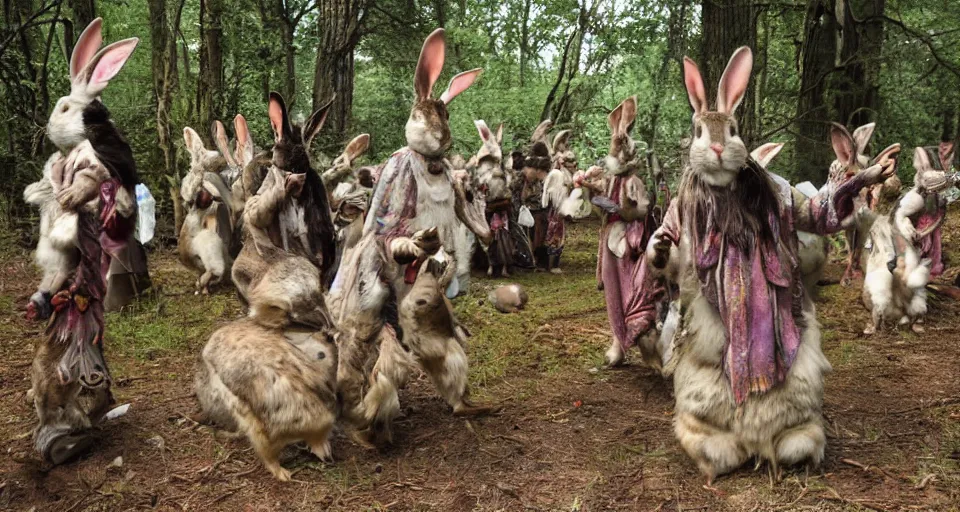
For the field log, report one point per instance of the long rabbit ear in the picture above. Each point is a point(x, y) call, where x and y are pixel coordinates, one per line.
point(613, 119)
point(483, 130)
point(313, 125)
point(278, 117)
point(629, 115)
point(862, 137)
point(193, 144)
point(945, 152)
point(890, 152)
point(87, 45)
point(733, 83)
point(244, 148)
point(500, 134)
point(843, 144)
point(540, 132)
point(105, 65)
point(459, 84)
point(430, 64)
point(921, 161)
point(561, 140)
point(694, 84)
point(357, 147)
point(220, 140)
point(766, 153)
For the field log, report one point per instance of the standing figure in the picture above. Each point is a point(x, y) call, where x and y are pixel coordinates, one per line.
point(631, 289)
point(289, 214)
point(417, 207)
point(924, 208)
point(536, 166)
point(205, 237)
point(748, 377)
point(495, 184)
point(88, 213)
point(522, 250)
point(556, 191)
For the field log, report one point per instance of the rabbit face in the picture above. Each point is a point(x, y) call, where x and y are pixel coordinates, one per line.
point(928, 179)
point(428, 129)
point(90, 73)
point(717, 153)
point(65, 127)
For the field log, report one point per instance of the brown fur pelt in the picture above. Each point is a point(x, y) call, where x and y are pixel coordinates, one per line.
point(739, 212)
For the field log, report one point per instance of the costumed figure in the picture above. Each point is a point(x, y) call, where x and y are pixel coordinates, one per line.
point(747, 365)
point(631, 288)
point(388, 299)
point(495, 184)
point(289, 215)
point(88, 214)
point(205, 237)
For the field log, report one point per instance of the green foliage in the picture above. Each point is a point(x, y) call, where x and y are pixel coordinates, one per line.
point(624, 48)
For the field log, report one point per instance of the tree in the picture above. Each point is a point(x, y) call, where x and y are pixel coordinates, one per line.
point(818, 55)
point(163, 49)
point(728, 25)
point(84, 11)
point(210, 77)
point(339, 24)
point(857, 89)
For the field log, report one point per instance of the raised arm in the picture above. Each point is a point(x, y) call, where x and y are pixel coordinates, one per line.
point(823, 214)
point(262, 208)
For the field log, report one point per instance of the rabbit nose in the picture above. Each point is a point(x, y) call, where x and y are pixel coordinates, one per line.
point(718, 149)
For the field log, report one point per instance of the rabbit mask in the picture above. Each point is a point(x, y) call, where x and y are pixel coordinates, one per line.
point(927, 179)
point(623, 151)
point(428, 129)
point(717, 153)
point(90, 72)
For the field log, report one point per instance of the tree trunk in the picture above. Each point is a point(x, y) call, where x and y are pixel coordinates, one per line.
point(84, 11)
point(676, 45)
point(813, 115)
point(339, 26)
point(525, 40)
point(948, 130)
point(210, 79)
point(858, 87)
point(728, 25)
point(163, 60)
point(289, 90)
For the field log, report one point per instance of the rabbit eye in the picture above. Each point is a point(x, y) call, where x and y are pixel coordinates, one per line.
point(733, 130)
point(65, 108)
point(698, 130)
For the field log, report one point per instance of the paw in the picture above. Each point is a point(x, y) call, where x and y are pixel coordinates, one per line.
point(428, 240)
point(280, 473)
point(614, 356)
point(323, 451)
point(39, 307)
point(71, 198)
point(405, 250)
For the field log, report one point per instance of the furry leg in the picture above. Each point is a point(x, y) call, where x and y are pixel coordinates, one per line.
point(803, 443)
point(267, 449)
point(615, 355)
point(715, 451)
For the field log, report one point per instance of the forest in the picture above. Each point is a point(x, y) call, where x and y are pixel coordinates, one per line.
point(330, 321)
point(893, 62)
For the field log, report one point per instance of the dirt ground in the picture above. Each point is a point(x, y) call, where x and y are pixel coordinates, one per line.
point(570, 437)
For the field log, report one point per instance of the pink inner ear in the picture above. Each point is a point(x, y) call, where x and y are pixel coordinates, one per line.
point(733, 83)
point(694, 83)
point(613, 119)
point(629, 114)
point(275, 111)
point(842, 144)
point(430, 63)
point(87, 45)
point(484, 131)
point(113, 59)
point(459, 84)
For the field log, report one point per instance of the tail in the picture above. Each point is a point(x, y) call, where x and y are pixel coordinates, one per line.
point(381, 405)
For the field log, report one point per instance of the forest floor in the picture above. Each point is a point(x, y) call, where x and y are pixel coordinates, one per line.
point(570, 437)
